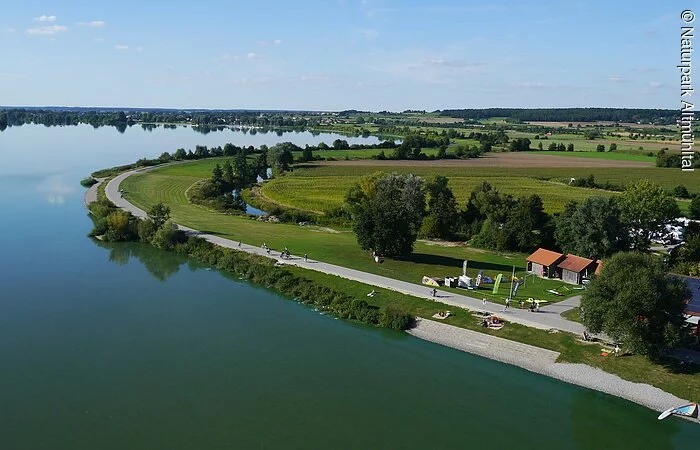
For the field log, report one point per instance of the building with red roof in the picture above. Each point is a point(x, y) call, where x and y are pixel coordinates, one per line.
point(570, 268)
point(543, 263)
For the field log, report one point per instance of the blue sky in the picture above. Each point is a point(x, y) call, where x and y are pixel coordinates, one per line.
point(341, 54)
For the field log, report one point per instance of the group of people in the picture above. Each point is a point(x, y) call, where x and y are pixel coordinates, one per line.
point(285, 254)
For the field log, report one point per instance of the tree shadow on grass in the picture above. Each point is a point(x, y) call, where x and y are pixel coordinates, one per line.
point(449, 261)
point(680, 365)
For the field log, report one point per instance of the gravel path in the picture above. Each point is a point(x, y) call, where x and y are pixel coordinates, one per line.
point(547, 318)
point(543, 361)
point(531, 358)
point(91, 193)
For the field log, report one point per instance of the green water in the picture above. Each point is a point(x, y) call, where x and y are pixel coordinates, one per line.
point(120, 346)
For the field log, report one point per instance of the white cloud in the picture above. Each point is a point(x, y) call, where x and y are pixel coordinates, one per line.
point(253, 55)
point(227, 57)
point(93, 24)
point(47, 30)
point(312, 77)
point(121, 47)
point(55, 190)
point(615, 78)
point(266, 43)
point(654, 84)
point(45, 18)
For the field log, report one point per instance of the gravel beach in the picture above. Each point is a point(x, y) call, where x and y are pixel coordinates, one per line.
point(543, 361)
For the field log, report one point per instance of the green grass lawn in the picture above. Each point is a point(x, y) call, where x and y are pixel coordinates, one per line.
point(666, 177)
point(325, 193)
point(169, 184)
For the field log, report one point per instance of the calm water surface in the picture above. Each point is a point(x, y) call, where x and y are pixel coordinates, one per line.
point(116, 346)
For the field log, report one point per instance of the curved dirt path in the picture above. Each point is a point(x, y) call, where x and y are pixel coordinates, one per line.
point(547, 318)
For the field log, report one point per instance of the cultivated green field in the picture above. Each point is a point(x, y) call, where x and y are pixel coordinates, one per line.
point(614, 156)
point(323, 193)
point(668, 178)
point(168, 184)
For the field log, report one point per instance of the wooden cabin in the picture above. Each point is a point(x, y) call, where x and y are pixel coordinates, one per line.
point(543, 263)
point(573, 269)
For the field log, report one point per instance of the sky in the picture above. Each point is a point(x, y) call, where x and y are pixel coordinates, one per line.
point(341, 54)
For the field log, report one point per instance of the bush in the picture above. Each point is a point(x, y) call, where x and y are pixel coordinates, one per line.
point(87, 182)
point(680, 191)
point(395, 320)
point(167, 236)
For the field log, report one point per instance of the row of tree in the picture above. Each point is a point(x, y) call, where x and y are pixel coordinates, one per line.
point(389, 213)
point(657, 116)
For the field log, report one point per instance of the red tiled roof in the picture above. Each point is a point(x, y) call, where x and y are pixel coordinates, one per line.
point(575, 263)
point(599, 268)
point(544, 257)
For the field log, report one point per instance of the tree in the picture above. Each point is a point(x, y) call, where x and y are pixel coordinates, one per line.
point(217, 178)
point(520, 145)
point(539, 146)
point(524, 222)
point(159, 214)
point(613, 147)
point(570, 147)
point(228, 173)
point(280, 157)
point(120, 226)
point(167, 236)
point(600, 148)
point(242, 170)
point(647, 209)
point(387, 211)
point(694, 208)
point(340, 144)
point(635, 302)
point(442, 210)
point(593, 229)
point(307, 154)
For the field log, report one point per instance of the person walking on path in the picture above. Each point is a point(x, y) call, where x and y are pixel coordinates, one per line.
point(305, 258)
point(484, 302)
point(507, 305)
point(434, 292)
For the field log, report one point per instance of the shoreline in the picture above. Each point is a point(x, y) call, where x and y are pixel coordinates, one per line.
point(534, 359)
point(543, 362)
point(548, 318)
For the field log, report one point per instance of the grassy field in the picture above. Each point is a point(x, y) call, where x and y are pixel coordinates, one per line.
point(668, 178)
point(169, 184)
point(322, 193)
point(601, 155)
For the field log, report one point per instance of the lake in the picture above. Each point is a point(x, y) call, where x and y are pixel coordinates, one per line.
point(114, 346)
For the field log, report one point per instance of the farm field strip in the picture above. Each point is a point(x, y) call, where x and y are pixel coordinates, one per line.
point(324, 193)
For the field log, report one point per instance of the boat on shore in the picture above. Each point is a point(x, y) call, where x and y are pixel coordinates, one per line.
point(689, 410)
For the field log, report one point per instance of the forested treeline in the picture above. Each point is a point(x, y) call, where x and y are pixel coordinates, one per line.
point(94, 117)
point(656, 116)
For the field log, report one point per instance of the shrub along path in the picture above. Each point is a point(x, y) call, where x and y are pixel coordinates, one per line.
point(545, 319)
